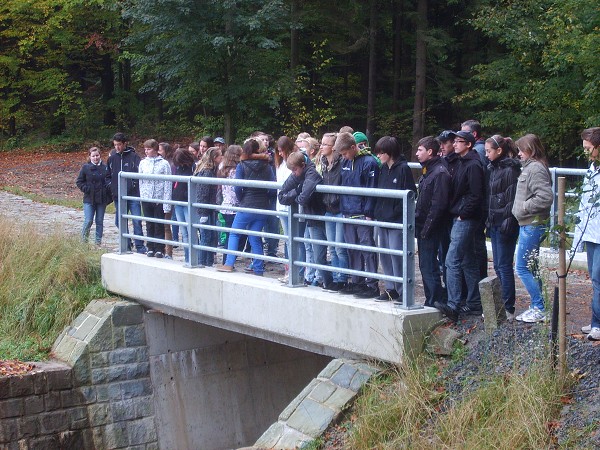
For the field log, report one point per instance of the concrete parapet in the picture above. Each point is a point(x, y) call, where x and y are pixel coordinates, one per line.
point(318, 405)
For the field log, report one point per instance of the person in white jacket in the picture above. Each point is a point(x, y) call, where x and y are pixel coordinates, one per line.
point(152, 192)
point(587, 231)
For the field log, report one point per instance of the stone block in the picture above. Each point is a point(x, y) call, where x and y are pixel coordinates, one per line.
point(142, 431)
point(289, 409)
point(64, 348)
point(339, 399)
point(78, 320)
point(101, 338)
point(122, 410)
point(54, 421)
point(102, 392)
point(82, 332)
point(28, 427)
point(123, 356)
point(8, 430)
point(144, 407)
point(343, 376)
point(127, 314)
point(116, 373)
point(79, 418)
point(98, 414)
point(359, 379)
point(491, 302)
point(4, 387)
point(331, 368)
point(364, 367)
point(11, 408)
point(136, 388)
point(87, 395)
point(34, 404)
point(270, 437)
point(40, 382)
point(42, 443)
point(292, 439)
point(100, 308)
point(135, 336)
point(311, 418)
point(100, 376)
point(72, 439)
point(441, 341)
point(59, 379)
point(82, 373)
point(21, 385)
point(99, 359)
point(138, 370)
point(52, 400)
point(322, 391)
point(115, 435)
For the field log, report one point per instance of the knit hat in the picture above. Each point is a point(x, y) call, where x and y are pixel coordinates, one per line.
point(360, 137)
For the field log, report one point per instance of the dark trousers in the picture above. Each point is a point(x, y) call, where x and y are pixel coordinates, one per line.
point(429, 266)
point(153, 229)
point(361, 259)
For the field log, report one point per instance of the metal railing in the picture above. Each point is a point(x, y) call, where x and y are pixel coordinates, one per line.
point(293, 216)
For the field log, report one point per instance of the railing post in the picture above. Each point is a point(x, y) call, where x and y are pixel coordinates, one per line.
point(293, 250)
point(121, 211)
point(553, 209)
point(193, 218)
point(408, 260)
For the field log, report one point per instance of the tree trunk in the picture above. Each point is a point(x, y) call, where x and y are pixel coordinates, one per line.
point(420, 72)
point(397, 55)
point(370, 128)
point(294, 38)
point(107, 78)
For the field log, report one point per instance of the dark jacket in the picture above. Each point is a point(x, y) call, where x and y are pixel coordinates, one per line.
point(207, 193)
point(255, 167)
point(361, 172)
point(332, 176)
point(504, 174)
point(431, 211)
point(398, 177)
point(452, 162)
point(468, 188)
point(128, 161)
point(301, 190)
point(180, 190)
point(92, 181)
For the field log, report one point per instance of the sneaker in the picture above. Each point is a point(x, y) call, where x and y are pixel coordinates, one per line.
point(536, 315)
point(388, 296)
point(398, 302)
point(450, 313)
point(334, 286)
point(168, 257)
point(149, 253)
point(510, 317)
point(594, 334)
point(367, 292)
point(284, 279)
point(224, 268)
point(350, 288)
point(159, 255)
point(249, 269)
point(525, 313)
point(586, 329)
point(142, 250)
point(470, 311)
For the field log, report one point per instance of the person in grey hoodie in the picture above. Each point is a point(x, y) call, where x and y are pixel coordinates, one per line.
point(150, 192)
point(531, 208)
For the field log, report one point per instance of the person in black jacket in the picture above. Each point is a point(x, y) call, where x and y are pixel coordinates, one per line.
point(395, 174)
point(466, 205)
point(96, 195)
point(431, 214)
point(124, 158)
point(300, 188)
point(504, 171)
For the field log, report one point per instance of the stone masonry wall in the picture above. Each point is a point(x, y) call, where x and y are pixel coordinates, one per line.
point(95, 394)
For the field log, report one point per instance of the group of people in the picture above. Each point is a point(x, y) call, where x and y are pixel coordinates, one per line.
point(469, 187)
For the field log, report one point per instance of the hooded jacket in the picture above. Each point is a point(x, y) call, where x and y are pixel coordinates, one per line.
point(431, 210)
point(398, 177)
point(588, 228)
point(92, 181)
point(468, 188)
point(301, 190)
point(504, 173)
point(332, 176)
point(360, 172)
point(207, 193)
point(254, 167)
point(534, 197)
point(156, 189)
point(127, 161)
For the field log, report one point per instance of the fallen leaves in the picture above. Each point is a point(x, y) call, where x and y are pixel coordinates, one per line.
point(14, 367)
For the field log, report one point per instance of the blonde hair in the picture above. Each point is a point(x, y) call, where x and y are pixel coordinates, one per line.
point(207, 162)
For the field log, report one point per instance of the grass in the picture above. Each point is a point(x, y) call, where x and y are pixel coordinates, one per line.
point(69, 203)
point(409, 407)
point(46, 280)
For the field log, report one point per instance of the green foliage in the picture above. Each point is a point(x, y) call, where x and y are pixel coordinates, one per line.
point(46, 280)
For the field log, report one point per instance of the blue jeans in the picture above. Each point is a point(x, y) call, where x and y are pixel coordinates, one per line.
point(320, 253)
point(134, 208)
point(339, 256)
point(460, 261)
point(526, 265)
point(181, 212)
point(391, 264)
point(430, 268)
point(503, 249)
point(272, 226)
point(209, 239)
point(89, 211)
point(252, 222)
point(309, 273)
point(301, 246)
point(593, 260)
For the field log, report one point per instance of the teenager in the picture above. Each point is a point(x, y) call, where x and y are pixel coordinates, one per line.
point(184, 166)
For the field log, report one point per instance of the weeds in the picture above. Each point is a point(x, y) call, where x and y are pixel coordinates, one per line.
point(45, 282)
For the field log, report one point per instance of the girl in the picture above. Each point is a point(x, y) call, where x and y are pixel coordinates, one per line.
point(227, 170)
point(184, 166)
point(207, 193)
point(502, 226)
point(171, 233)
point(531, 208)
point(92, 182)
point(152, 190)
point(254, 165)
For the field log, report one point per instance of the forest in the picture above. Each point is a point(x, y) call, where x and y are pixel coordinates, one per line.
point(82, 69)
